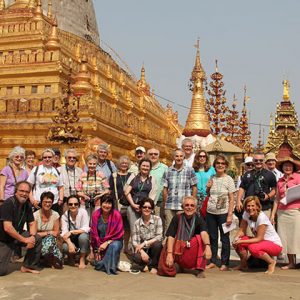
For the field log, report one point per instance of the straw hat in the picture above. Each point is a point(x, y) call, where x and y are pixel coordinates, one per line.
point(282, 160)
point(270, 156)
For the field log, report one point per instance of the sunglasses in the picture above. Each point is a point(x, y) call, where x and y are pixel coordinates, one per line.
point(190, 205)
point(19, 157)
point(258, 160)
point(220, 163)
point(47, 157)
point(249, 165)
point(202, 156)
point(153, 154)
point(147, 207)
point(73, 204)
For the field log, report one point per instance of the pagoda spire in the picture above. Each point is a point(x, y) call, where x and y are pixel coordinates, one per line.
point(53, 40)
point(38, 11)
point(2, 5)
point(197, 122)
point(82, 79)
point(286, 90)
point(32, 4)
point(232, 123)
point(49, 13)
point(260, 145)
point(142, 84)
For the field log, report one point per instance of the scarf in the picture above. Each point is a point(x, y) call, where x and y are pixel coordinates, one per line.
point(186, 228)
point(115, 229)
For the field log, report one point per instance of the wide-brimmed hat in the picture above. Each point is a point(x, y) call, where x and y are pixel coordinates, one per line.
point(282, 160)
point(270, 156)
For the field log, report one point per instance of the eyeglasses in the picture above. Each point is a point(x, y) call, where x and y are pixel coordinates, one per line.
point(258, 160)
point(220, 163)
point(147, 207)
point(189, 205)
point(153, 154)
point(72, 157)
point(19, 157)
point(250, 165)
point(47, 157)
point(202, 156)
point(73, 204)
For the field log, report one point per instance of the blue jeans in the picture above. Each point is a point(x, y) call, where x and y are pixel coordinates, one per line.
point(109, 262)
point(214, 225)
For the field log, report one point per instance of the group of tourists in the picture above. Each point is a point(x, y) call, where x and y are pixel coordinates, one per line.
point(166, 219)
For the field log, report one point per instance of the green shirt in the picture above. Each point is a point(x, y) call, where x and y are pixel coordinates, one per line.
point(157, 172)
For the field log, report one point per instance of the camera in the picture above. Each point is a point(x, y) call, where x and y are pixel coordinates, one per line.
point(260, 194)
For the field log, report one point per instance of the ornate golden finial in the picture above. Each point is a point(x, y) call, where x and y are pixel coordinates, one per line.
point(2, 4)
point(286, 90)
point(216, 62)
point(49, 13)
point(38, 11)
point(82, 79)
point(260, 145)
point(53, 41)
point(142, 83)
point(32, 4)
point(197, 122)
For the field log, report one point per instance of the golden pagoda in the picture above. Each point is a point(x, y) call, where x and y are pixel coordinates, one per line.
point(38, 58)
point(197, 122)
point(284, 135)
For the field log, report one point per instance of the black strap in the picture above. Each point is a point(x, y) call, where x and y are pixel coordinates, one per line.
point(109, 165)
point(34, 176)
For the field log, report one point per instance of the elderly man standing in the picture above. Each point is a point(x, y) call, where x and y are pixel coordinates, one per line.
point(157, 171)
point(14, 213)
point(106, 166)
point(140, 153)
point(258, 182)
point(271, 161)
point(179, 181)
point(70, 174)
point(189, 155)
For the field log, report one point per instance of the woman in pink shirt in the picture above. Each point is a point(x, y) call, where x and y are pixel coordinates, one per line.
point(288, 215)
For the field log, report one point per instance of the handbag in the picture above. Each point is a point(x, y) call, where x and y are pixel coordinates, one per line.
point(203, 209)
point(163, 269)
point(123, 201)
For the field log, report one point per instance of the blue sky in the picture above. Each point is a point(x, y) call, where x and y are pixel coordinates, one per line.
point(256, 43)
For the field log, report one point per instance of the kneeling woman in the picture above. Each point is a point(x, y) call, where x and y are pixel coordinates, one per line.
point(188, 244)
point(265, 243)
point(107, 235)
point(48, 229)
point(75, 231)
point(147, 238)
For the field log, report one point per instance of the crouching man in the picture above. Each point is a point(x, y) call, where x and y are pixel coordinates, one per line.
point(14, 213)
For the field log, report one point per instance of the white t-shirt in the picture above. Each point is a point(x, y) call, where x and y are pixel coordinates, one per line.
point(262, 219)
point(47, 180)
point(218, 202)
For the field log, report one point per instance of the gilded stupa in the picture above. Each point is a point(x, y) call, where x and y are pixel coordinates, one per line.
point(284, 135)
point(43, 50)
point(197, 122)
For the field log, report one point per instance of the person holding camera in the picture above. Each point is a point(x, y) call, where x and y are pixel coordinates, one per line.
point(258, 182)
point(75, 231)
point(91, 185)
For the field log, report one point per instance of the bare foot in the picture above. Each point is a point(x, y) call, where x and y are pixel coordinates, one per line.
point(271, 268)
point(224, 268)
point(288, 267)
point(82, 266)
point(210, 266)
point(153, 271)
point(27, 270)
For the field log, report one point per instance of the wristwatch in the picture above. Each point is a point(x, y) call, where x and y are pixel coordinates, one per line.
point(109, 242)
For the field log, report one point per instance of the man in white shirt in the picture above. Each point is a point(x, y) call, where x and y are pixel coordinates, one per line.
point(271, 165)
point(189, 155)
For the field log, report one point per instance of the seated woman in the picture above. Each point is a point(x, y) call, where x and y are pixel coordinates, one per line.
point(265, 243)
point(188, 244)
point(147, 238)
point(48, 229)
point(75, 231)
point(107, 235)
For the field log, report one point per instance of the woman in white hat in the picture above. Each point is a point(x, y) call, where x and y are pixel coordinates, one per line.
point(288, 210)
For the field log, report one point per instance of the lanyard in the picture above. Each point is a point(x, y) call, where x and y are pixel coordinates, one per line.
point(70, 188)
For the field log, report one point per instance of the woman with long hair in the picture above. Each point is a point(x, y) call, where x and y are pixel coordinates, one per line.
point(12, 173)
point(204, 171)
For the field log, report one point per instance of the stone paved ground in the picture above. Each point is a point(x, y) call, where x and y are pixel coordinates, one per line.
point(72, 284)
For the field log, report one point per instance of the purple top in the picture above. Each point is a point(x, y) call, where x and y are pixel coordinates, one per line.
point(9, 188)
